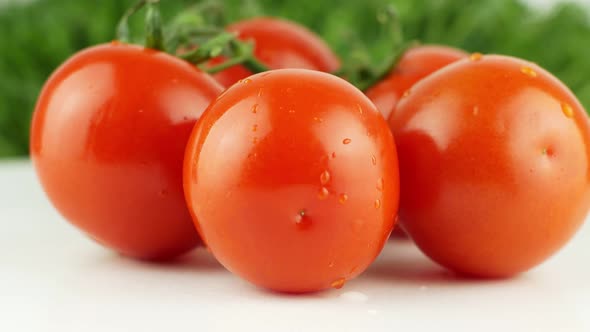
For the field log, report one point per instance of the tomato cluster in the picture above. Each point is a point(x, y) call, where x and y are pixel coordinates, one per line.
point(293, 177)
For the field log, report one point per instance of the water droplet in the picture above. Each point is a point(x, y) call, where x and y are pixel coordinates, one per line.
point(380, 184)
point(339, 283)
point(140, 111)
point(291, 111)
point(254, 127)
point(316, 119)
point(354, 296)
point(360, 109)
point(406, 93)
point(528, 71)
point(245, 81)
point(475, 110)
point(323, 193)
point(163, 192)
point(373, 160)
point(567, 110)
point(377, 204)
point(475, 56)
point(325, 177)
point(353, 269)
point(346, 141)
point(302, 221)
point(331, 264)
point(255, 140)
point(259, 92)
point(333, 155)
point(255, 108)
point(342, 198)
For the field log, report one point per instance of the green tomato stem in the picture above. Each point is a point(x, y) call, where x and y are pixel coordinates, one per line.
point(154, 38)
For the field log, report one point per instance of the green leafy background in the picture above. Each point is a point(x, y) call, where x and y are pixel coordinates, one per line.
point(37, 37)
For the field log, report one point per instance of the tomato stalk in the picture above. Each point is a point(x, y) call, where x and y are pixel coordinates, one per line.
point(364, 74)
point(154, 38)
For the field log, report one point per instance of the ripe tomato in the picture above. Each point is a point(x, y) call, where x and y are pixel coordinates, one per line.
point(292, 178)
point(279, 44)
point(495, 165)
point(415, 64)
point(108, 139)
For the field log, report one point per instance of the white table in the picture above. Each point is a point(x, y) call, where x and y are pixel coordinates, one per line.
point(54, 279)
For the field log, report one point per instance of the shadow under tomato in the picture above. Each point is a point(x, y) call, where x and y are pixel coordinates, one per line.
point(193, 261)
point(402, 263)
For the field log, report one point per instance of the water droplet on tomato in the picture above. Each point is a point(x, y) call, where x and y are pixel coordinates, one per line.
point(255, 140)
point(255, 108)
point(245, 81)
point(140, 111)
point(475, 110)
point(333, 155)
point(530, 72)
point(346, 141)
point(316, 119)
point(331, 265)
point(342, 198)
point(358, 106)
point(254, 127)
point(567, 110)
point(323, 193)
point(475, 56)
point(302, 221)
point(406, 93)
point(373, 160)
point(325, 177)
point(292, 111)
point(380, 184)
point(377, 204)
point(338, 283)
point(259, 92)
point(163, 192)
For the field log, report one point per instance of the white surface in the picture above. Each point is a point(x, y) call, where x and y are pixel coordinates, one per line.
point(54, 279)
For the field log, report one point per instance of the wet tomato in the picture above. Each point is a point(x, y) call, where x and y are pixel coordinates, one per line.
point(417, 63)
point(107, 141)
point(495, 165)
point(292, 178)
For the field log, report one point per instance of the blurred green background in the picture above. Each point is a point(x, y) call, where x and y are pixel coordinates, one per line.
point(38, 35)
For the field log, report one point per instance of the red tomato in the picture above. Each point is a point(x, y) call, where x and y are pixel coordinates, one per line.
point(416, 63)
point(292, 177)
point(108, 139)
point(280, 44)
point(495, 165)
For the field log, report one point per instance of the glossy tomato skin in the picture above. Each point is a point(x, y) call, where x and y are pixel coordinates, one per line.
point(107, 142)
point(417, 63)
point(280, 44)
point(494, 163)
point(292, 178)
